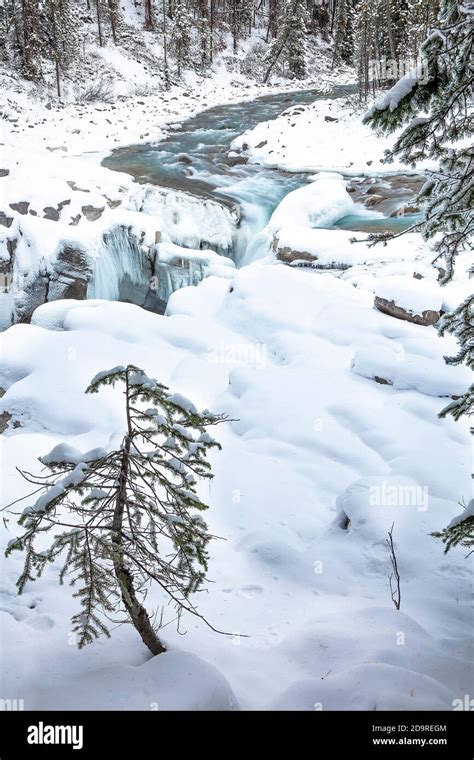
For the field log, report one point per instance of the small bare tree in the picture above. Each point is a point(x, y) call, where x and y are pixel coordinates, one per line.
point(394, 577)
point(128, 518)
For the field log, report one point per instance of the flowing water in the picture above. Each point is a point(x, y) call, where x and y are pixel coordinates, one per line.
point(195, 158)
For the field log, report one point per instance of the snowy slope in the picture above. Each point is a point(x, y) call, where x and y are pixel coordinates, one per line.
point(303, 497)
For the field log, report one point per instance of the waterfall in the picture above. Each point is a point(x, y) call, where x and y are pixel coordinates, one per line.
point(120, 257)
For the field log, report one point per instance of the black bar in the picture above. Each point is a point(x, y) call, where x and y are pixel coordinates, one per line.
point(118, 734)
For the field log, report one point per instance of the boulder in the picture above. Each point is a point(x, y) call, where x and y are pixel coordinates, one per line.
point(426, 318)
point(92, 213)
point(22, 207)
point(5, 221)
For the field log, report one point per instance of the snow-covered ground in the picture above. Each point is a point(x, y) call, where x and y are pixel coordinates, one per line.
point(335, 435)
point(290, 355)
point(317, 136)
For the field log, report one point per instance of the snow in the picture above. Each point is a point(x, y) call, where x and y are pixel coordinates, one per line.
point(414, 295)
point(400, 90)
point(302, 140)
point(64, 453)
point(468, 512)
point(310, 441)
point(172, 681)
point(318, 459)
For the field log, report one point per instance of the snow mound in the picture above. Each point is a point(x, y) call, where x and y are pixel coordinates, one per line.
point(375, 686)
point(50, 316)
point(413, 295)
point(171, 681)
point(404, 372)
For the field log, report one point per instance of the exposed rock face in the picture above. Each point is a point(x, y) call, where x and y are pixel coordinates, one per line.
point(426, 318)
point(71, 274)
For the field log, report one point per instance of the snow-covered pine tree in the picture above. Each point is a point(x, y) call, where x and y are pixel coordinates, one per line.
point(419, 17)
point(59, 37)
point(289, 45)
point(129, 518)
point(26, 21)
point(460, 531)
point(180, 38)
point(365, 48)
point(439, 118)
point(204, 39)
point(343, 32)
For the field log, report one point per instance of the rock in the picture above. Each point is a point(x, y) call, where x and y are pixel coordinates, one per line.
point(73, 186)
point(417, 276)
point(5, 418)
point(405, 211)
point(75, 220)
point(184, 159)
point(382, 380)
point(236, 160)
point(288, 256)
point(426, 318)
point(376, 189)
point(5, 221)
point(71, 274)
point(113, 204)
point(4, 172)
point(92, 213)
point(261, 144)
point(22, 207)
point(372, 200)
point(51, 213)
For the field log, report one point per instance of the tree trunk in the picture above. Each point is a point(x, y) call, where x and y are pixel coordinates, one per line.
point(58, 79)
point(149, 22)
point(99, 25)
point(137, 612)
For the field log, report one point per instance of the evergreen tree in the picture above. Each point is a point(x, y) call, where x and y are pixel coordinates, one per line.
point(27, 22)
point(289, 45)
point(366, 49)
point(419, 17)
point(180, 41)
point(439, 118)
point(59, 37)
point(128, 518)
point(204, 34)
point(448, 195)
point(343, 32)
point(460, 531)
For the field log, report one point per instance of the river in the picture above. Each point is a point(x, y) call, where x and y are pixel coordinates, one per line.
point(194, 157)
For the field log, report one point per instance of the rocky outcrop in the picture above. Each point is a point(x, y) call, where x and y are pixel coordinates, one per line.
point(71, 273)
point(426, 318)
